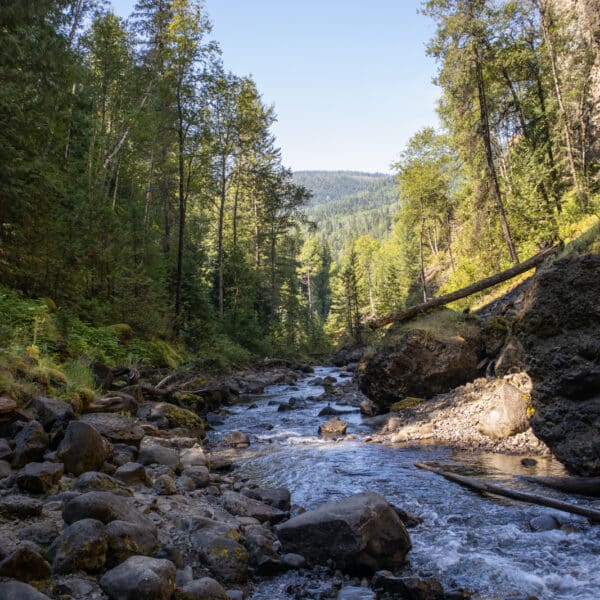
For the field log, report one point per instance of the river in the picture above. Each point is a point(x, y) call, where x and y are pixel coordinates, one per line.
point(466, 541)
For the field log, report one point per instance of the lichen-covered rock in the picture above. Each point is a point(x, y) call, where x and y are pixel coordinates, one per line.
point(20, 507)
point(360, 532)
point(226, 558)
point(335, 426)
point(81, 547)
point(38, 478)
point(140, 578)
point(82, 449)
point(129, 539)
point(25, 564)
point(203, 589)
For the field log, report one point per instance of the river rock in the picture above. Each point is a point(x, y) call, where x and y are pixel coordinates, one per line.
point(20, 507)
point(419, 363)
point(140, 578)
point(225, 557)
point(278, 497)
point(159, 455)
point(360, 532)
point(199, 476)
point(203, 589)
point(237, 439)
point(407, 587)
point(242, 506)
point(132, 473)
point(509, 414)
point(335, 426)
point(96, 481)
point(105, 507)
point(16, 590)
point(25, 564)
point(355, 593)
point(193, 457)
point(129, 539)
point(544, 523)
point(81, 547)
point(117, 428)
point(165, 485)
point(38, 478)
point(558, 329)
point(82, 449)
point(53, 414)
point(30, 444)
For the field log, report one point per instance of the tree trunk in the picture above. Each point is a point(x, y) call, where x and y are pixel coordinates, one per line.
point(182, 210)
point(487, 142)
point(478, 286)
point(220, 282)
point(421, 257)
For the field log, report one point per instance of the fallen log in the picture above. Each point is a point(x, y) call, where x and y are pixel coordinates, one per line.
point(586, 486)
point(484, 487)
point(478, 286)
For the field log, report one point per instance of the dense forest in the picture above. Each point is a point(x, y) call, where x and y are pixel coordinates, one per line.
point(146, 214)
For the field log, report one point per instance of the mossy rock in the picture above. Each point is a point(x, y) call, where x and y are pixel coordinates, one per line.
point(6, 381)
point(162, 354)
point(123, 331)
point(409, 402)
point(181, 417)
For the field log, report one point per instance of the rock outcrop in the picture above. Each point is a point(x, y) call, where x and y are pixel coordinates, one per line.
point(558, 329)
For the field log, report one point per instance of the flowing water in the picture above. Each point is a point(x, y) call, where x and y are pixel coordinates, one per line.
point(466, 541)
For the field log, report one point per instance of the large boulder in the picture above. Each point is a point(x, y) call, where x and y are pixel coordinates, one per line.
point(30, 444)
point(508, 415)
point(243, 506)
point(558, 329)
point(422, 361)
point(81, 547)
point(140, 578)
point(117, 428)
point(25, 564)
point(16, 590)
point(361, 532)
point(82, 449)
point(38, 478)
point(53, 414)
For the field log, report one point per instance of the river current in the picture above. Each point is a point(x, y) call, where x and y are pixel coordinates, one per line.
point(484, 545)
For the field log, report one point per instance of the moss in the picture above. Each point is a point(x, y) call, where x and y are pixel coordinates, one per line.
point(123, 332)
point(181, 417)
point(408, 402)
point(6, 381)
point(163, 354)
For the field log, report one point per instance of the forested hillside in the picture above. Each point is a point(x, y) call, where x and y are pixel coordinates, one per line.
point(347, 204)
point(513, 168)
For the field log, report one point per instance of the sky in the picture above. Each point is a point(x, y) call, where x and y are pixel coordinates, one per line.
point(349, 79)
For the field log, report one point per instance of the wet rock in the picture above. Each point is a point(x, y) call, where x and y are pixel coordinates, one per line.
point(128, 539)
point(407, 518)
point(122, 454)
point(199, 476)
point(105, 507)
point(81, 547)
point(335, 426)
point(355, 593)
point(16, 590)
point(193, 457)
point(243, 506)
point(544, 523)
point(82, 449)
point(132, 473)
point(509, 414)
point(293, 561)
point(203, 589)
point(330, 411)
point(367, 408)
point(42, 534)
point(159, 455)
point(20, 507)
point(140, 578)
point(529, 462)
point(237, 439)
point(165, 485)
point(30, 444)
point(558, 329)
point(278, 497)
point(360, 532)
point(407, 587)
point(118, 429)
point(262, 544)
point(54, 415)
point(420, 363)
point(77, 586)
point(214, 420)
point(25, 564)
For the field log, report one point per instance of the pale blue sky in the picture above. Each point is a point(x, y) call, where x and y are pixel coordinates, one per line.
point(349, 79)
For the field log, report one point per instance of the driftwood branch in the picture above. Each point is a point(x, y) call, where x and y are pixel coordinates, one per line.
point(587, 486)
point(484, 487)
point(478, 286)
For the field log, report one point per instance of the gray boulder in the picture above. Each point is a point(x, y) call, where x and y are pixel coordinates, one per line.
point(226, 558)
point(360, 532)
point(129, 539)
point(81, 547)
point(39, 478)
point(30, 444)
point(200, 476)
point(203, 589)
point(159, 455)
point(53, 414)
point(278, 497)
point(119, 429)
point(20, 507)
point(132, 473)
point(509, 414)
point(140, 578)
point(193, 457)
point(82, 449)
point(16, 590)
